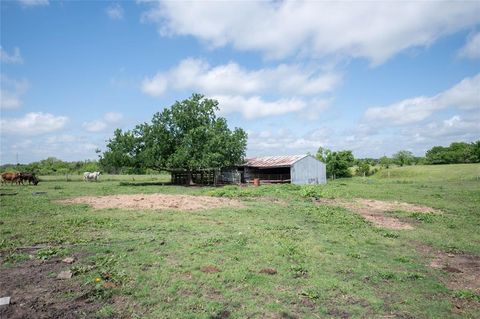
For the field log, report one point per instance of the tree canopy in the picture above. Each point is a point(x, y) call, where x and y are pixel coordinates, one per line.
point(459, 152)
point(338, 163)
point(188, 135)
point(403, 157)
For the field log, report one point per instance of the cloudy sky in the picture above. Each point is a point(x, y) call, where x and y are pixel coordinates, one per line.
point(373, 77)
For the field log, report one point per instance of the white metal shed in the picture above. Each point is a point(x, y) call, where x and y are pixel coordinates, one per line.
point(297, 169)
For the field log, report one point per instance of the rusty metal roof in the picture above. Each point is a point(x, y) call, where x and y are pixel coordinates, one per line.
point(273, 161)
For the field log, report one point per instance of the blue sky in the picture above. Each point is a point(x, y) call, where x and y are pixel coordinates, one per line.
point(373, 77)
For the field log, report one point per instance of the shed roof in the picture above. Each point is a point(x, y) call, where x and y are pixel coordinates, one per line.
point(273, 161)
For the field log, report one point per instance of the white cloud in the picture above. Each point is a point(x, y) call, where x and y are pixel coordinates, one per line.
point(232, 79)
point(94, 126)
point(464, 95)
point(63, 146)
point(472, 47)
point(112, 117)
point(254, 107)
point(373, 30)
point(115, 12)
point(284, 141)
point(33, 123)
point(241, 91)
point(456, 127)
point(34, 3)
point(14, 58)
point(108, 119)
point(11, 92)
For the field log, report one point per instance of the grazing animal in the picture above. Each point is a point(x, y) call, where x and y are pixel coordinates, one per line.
point(10, 177)
point(30, 177)
point(87, 176)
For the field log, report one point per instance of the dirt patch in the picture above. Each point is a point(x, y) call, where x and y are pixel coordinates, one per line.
point(209, 269)
point(464, 306)
point(463, 269)
point(461, 274)
point(154, 201)
point(268, 271)
point(36, 292)
point(374, 210)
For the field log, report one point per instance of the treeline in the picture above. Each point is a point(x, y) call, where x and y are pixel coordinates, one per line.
point(343, 164)
point(339, 163)
point(456, 153)
point(55, 166)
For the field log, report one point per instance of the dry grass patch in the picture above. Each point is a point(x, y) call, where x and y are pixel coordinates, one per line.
point(374, 210)
point(154, 201)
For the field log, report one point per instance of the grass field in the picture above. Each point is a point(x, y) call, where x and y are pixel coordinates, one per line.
point(278, 255)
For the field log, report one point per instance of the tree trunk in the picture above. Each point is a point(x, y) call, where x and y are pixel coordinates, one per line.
point(189, 178)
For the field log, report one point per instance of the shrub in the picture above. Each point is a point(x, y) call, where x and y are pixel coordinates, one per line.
point(311, 191)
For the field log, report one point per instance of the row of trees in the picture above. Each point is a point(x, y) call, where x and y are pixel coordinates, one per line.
point(455, 153)
point(54, 166)
point(343, 163)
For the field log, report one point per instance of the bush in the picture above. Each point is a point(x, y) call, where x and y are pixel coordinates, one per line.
point(311, 191)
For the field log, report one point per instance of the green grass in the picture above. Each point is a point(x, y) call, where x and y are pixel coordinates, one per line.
point(329, 262)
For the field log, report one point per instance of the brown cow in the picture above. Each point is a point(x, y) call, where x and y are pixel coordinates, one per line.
point(10, 177)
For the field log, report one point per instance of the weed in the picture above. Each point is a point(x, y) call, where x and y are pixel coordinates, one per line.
point(423, 217)
point(298, 271)
point(402, 259)
point(106, 266)
point(15, 258)
point(354, 255)
point(81, 269)
point(47, 253)
point(310, 294)
point(414, 276)
point(452, 249)
point(390, 235)
point(107, 311)
point(311, 191)
point(387, 275)
point(467, 294)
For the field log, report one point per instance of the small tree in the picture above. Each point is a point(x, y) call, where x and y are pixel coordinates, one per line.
point(402, 158)
point(363, 168)
point(188, 135)
point(385, 162)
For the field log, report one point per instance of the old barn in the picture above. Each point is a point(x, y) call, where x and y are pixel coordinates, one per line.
point(295, 169)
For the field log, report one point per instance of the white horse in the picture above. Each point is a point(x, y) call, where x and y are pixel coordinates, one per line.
point(87, 176)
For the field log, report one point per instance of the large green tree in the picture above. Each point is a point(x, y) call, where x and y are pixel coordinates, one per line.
point(338, 163)
point(188, 135)
point(403, 157)
point(458, 152)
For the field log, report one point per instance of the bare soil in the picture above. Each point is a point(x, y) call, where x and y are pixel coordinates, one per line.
point(36, 292)
point(154, 201)
point(375, 210)
point(269, 271)
point(209, 269)
point(463, 270)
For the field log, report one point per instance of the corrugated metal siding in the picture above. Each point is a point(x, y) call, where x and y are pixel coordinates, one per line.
point(272, 161)
point(308, 170)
